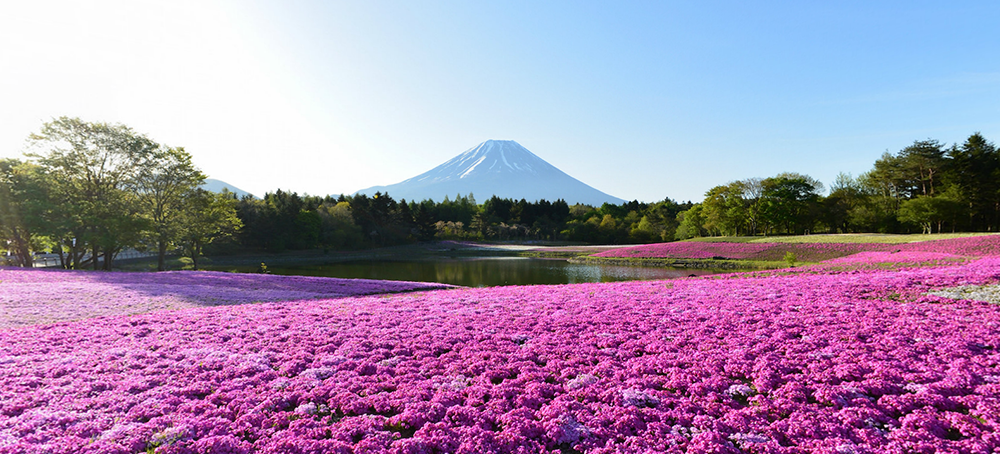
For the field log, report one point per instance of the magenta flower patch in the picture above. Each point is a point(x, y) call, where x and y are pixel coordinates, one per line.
point(977, 246)
point(856, 361)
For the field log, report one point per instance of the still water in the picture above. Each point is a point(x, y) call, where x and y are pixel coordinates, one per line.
point(488, 271)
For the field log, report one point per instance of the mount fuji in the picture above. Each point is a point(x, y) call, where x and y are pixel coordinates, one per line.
point(496, 167)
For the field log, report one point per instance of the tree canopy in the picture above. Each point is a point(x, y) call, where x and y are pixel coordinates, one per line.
point(91, 190)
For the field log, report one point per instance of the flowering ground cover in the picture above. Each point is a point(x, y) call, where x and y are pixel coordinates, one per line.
point(33, 296)
point(808, 252)
point(890, 260)
point(887, 238)
point(973, 246)
point(837, 362)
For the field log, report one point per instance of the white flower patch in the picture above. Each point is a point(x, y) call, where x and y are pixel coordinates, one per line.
point(746, 440)
point(581, 381)
point(307, 408)
point(637, 398)
point(740, 390)
point(985, 293)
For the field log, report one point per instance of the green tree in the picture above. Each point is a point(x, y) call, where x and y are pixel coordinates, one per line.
point(927, 211)
point(23, 208)
point(877, 205)
point(790, 200)
point(724, 209)
point(164, 186)
point(644, 231)
point(922, 165)
point(94, 170)
point(690, 223)
point(207, 217)
point(974, 168)
point(608, 228)
point(338, 227)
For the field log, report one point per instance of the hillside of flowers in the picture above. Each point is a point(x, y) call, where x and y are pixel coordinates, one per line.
point(33, 296)
point(975, 246)
point(859, 361)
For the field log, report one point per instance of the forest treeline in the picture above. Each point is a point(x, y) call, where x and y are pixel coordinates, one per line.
point(91, 190)
point(925, 187)
point(285, 220)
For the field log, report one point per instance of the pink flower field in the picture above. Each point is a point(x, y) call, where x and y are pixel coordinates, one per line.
point(859, 361)
point(905, 259)
point(977, 246)
point(29, 297)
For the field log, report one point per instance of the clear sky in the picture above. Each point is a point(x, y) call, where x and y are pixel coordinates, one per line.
point(642, 100)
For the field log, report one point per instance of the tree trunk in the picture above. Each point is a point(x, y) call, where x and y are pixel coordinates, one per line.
point(161, 259)
point(195, 252)
point(24, 256)
point(94, 256)
point(21, 248)
point(76, 259)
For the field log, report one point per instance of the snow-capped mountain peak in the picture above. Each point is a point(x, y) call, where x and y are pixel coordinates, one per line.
point(490, 157)
point(496, 167)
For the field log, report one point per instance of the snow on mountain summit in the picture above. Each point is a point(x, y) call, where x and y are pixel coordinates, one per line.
point(490, 157)
point(496, 167)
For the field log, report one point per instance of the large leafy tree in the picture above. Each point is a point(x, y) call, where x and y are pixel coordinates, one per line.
point(791, 201)
point(927, 211)
point(690, 223)
point(23, 208)
point(724, 209)
point(207, 217)
point(95, 171)
point(166, 186)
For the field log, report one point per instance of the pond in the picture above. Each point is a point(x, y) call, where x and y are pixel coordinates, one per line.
point(485, 271)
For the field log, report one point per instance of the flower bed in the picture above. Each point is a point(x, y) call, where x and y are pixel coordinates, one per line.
point(850, 362)
point(976, 246)
point(32, 296)
point(809, 252)
point(892, 260)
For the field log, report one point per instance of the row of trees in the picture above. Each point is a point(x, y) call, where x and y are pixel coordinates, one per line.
point(925, 187)
point(89, 190)
point(284, 220)
point(786, 203)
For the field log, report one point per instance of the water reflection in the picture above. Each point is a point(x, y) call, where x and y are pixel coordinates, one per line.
point(488, 271)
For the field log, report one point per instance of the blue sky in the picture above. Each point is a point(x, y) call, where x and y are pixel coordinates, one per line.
point(643, 100)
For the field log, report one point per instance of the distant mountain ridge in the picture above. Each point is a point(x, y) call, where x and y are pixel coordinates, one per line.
point(214, 185)
point(496, 167)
